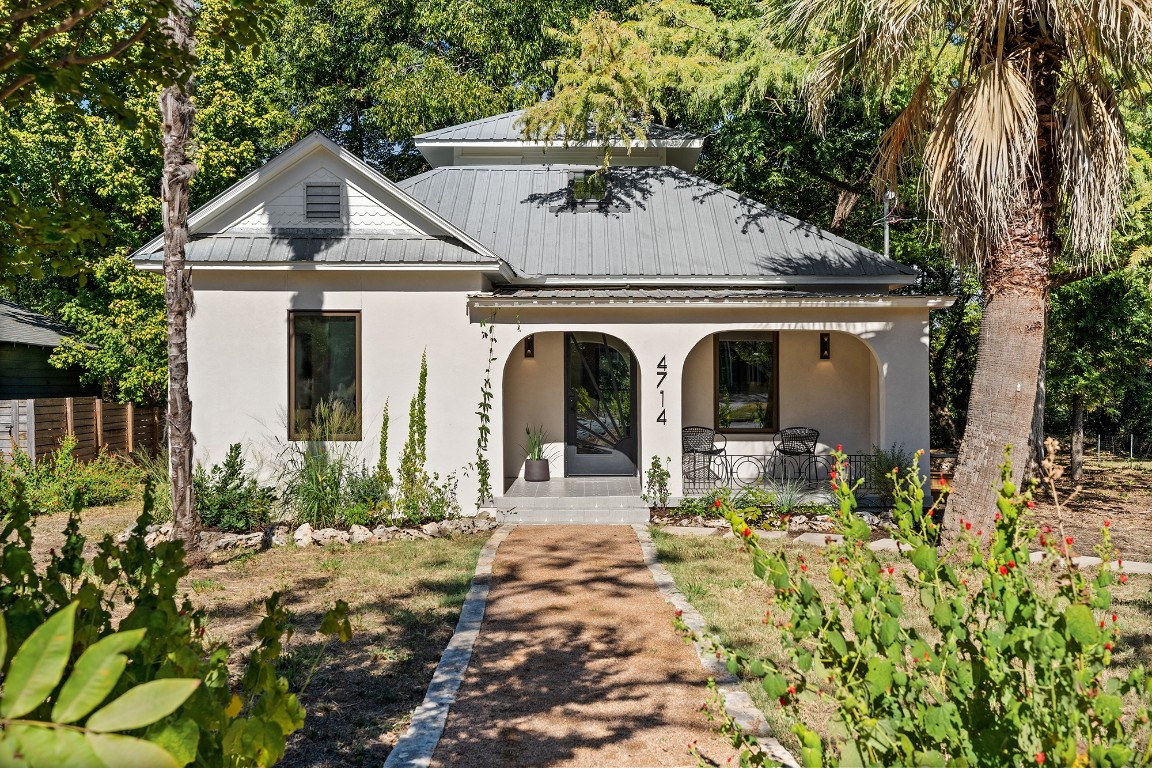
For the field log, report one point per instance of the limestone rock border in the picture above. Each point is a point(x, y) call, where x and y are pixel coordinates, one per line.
point(737, 702)
point(415, 747)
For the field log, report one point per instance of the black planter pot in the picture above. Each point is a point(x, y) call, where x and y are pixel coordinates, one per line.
point(536, 470)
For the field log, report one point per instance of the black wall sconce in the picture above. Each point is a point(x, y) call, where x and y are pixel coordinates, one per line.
point(825, 346)
point(530, 345)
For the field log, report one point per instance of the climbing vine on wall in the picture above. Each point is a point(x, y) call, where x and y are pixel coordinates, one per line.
point(483, 467)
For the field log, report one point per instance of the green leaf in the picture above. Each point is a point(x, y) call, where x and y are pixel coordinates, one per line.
point(774, 684)
point(179, 738)
point(49, 747)
point(1107, 708)
point(879, 677)
point(38, 665)
point(924, 558)
point(114, 750)
point(142, 705)
point(94, 676)
point(1080, 624)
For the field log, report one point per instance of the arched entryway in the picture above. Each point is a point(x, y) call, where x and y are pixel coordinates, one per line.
point(582, 388)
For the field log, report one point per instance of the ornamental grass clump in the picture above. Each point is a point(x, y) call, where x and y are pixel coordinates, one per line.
point(1007, 673)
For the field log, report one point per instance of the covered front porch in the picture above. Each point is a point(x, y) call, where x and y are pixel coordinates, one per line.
point(621, 383)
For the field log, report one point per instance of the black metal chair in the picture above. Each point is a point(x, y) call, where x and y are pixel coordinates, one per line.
point(795, 447)
point(700, 454)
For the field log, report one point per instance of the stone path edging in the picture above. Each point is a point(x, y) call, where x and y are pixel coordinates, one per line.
point(415, 747)
point(737, 702)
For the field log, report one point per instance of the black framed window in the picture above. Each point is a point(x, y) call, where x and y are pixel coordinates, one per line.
point(747, 382)
point(324, 375)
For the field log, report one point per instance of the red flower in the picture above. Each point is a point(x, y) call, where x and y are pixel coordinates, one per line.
point(804, 568)
point(1107, 646)
point(1123, 578)
point(967, 526)
point(1068, 541)
point(1113, 617)
point(717, 504)
point(832, 474)
point(792, 689)
point(1040, 758)
point(1029, 503)
point(679, 613)
point(839, 448)
point(891, 570)
point(1107, 523)
point(747, 532)
point(980, 532)
point(1011, 563)
point(997, 515)
point(1003, 571)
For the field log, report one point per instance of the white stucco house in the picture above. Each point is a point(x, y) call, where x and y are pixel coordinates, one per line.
point(627, 305)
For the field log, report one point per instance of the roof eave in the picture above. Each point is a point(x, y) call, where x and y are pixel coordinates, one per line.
point(895, 301)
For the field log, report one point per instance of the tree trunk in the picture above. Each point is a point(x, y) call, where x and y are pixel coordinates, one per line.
point(177, 115)
point(1006, 408)
point(1076, 471)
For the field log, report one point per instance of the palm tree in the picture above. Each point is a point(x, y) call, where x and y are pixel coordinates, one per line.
point(1013, 110)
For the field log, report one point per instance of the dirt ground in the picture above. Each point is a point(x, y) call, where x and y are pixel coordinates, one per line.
point(577, 663)
point(405, 598)
point(1120, 494)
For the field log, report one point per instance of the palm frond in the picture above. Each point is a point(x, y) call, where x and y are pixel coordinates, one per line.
point(980, 157)
point(1092, 148)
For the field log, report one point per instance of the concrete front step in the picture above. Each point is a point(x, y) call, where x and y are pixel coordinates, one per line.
point(584, 516)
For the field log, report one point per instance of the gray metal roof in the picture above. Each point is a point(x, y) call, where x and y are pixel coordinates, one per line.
point(662, 223)
point(507, 127)
point(335, 248)
point(669, 294)
point(23, 326)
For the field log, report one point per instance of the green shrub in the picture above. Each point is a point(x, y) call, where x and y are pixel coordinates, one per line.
point(157, 475)
point(1008, 675)
point(170, 693)
point(656, 491)
point(368, 488)
point(56, 481)
point(229, 498)
point(880, 470)
point(703, 506)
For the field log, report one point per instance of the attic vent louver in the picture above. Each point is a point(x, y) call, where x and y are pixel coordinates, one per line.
point(322, 201)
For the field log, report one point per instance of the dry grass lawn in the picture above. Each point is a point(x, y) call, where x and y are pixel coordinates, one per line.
point(405, 597)
point(716, 576)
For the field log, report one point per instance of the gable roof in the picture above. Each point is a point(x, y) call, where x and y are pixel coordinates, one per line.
point(663, 225)
point(442, 236)
point(23, 326)
point(508, 128)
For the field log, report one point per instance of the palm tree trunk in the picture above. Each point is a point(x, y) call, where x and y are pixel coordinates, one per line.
point(177, 115)
point(1006, 409)
point(1076, 471)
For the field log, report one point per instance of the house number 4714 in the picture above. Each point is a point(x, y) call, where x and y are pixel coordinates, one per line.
point(661, 374)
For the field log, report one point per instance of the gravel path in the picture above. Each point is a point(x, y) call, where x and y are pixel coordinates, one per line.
point(577, 663)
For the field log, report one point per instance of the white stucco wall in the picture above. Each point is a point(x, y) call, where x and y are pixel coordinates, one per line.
point(238, 358)
point(533, 394)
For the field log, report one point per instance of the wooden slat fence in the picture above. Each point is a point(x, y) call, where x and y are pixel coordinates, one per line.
point(37, 426)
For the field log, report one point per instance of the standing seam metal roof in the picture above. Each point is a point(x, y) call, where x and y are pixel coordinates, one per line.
point(507, 127)
point(662, 222)
point(338, 247)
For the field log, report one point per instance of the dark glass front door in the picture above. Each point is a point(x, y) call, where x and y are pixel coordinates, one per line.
point(600, 424)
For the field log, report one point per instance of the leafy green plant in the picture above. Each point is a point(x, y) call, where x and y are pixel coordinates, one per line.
point(170, 699)
point(535, 441)
point(54, 482)
point(483, 410)
point(229, 498)
point(788, 494)
point(359, 514)
point(656, 491)
point(383, 474)
point(37, 669)
point(705, 505)
point(878, 471)
point(1009, 674)
point(158, 476)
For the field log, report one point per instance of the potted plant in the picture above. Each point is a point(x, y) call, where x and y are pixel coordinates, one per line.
point(536, 465)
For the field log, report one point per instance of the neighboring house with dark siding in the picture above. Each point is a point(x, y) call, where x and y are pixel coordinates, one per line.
point(27, 339)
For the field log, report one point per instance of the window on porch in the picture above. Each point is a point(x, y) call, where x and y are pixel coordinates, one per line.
point(746, 382)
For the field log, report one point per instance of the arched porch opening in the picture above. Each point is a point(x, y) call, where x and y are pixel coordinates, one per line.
point(582, 388)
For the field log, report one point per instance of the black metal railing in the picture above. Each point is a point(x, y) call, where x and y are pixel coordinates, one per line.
point(704, 473)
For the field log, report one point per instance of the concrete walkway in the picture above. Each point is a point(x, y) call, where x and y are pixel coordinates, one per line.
point(576, 663)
